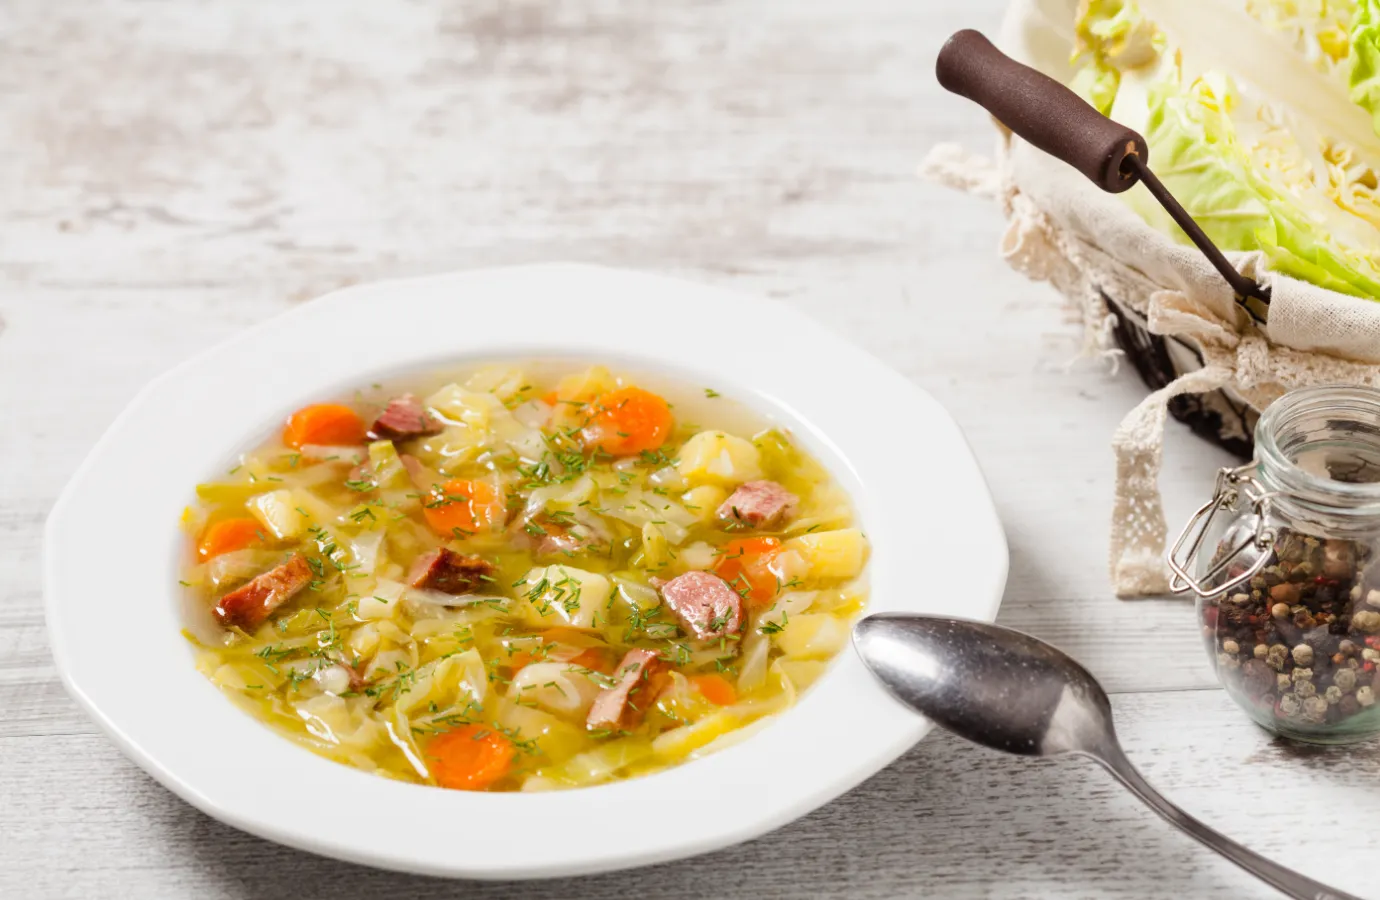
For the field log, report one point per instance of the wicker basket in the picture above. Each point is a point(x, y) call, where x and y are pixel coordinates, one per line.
point(1219, 416)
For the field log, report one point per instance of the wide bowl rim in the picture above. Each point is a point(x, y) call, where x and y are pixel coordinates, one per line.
point(845, 728)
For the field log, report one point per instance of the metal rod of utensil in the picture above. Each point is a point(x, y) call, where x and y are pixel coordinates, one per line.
point(1054, 119)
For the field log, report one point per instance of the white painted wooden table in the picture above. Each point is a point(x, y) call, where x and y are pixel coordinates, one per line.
point(170, 173)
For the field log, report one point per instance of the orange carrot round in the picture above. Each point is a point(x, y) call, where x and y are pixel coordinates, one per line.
point(715, 688)
point(470, 758)
point(229, 535)
point(324, 423)
point(750, 565)
point(461, 507)
point(627, 421)
point(593, 658)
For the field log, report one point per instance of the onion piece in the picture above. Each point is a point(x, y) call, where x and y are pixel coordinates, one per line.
point(364, 547)
point(322, 453)
point(428, 597)
point(240, 565)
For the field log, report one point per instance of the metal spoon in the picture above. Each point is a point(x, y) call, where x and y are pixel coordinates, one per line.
point(1012, 692)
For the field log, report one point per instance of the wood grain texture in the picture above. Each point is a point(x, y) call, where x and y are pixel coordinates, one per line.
point(175, 172)
point(946, 820)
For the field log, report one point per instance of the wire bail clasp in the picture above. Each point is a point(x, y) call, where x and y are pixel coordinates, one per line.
point(1231, 487)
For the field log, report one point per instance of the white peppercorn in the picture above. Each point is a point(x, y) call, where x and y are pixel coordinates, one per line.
point(1365, 696)
point(1333, 695)
point(1280, 610)
point(1289, 705)
point(1303, 655)
point(1301, 675)
point(1344, 679)
point(1230, 646)
point(1366, 620)
point(1315, 708)
point(1260, 651)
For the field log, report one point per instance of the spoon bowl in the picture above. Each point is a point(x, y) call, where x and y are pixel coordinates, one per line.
point(994, 686)
point(1009, 691)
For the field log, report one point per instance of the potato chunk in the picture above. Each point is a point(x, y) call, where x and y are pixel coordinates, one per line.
point(716, 457)
point(564, 595)
point(831, 554)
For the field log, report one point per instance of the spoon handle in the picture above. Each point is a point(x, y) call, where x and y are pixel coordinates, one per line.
point(1272, 873)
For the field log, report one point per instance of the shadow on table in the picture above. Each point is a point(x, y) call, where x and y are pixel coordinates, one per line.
point(915, 829)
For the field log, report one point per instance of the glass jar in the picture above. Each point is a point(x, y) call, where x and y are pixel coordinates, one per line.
point(1285, 559)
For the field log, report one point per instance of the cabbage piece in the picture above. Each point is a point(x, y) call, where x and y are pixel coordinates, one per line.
point(504, 382)
point(240, 565)
point(600, 764)
point(557, 687)
point(812, 636)
point(385, 465)
point(1363, 55)
point(279, 512)
point(678, 743)
point(555, 739)
point(790, 603)
point(382, 602)
point(1317, 30)
point(1266, 138)
point(1116, 33)
point(638, 508)
point(1266, 200)
point(340, 720)
point(752, 667)
point(1110, 35)
point(441, 694)
point(365, 548)
point(655, 552)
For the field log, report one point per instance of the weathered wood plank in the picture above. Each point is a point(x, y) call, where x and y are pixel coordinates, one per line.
point(175, 173)
point(947, 820)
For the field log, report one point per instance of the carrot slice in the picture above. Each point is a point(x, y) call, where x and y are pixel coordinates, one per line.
point(750, 566)
point(470, 758)
point(324, 423)
point(628, 421)
point(229, 535)
point(461, 507)
point(715, 688)
point(594, 659)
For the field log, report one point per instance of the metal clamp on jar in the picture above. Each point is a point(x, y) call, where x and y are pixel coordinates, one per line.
point(1289, 596)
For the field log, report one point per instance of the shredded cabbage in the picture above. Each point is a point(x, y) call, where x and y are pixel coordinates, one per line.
point(1268, 139)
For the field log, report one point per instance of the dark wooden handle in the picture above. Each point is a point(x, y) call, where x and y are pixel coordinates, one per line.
point(1041, 110)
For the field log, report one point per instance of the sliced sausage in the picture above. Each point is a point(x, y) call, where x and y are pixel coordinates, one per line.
point(450, 572)
point(250, 604)
point(404, 417)
point(758, 504)
point(705, 604)
point(639, 678)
